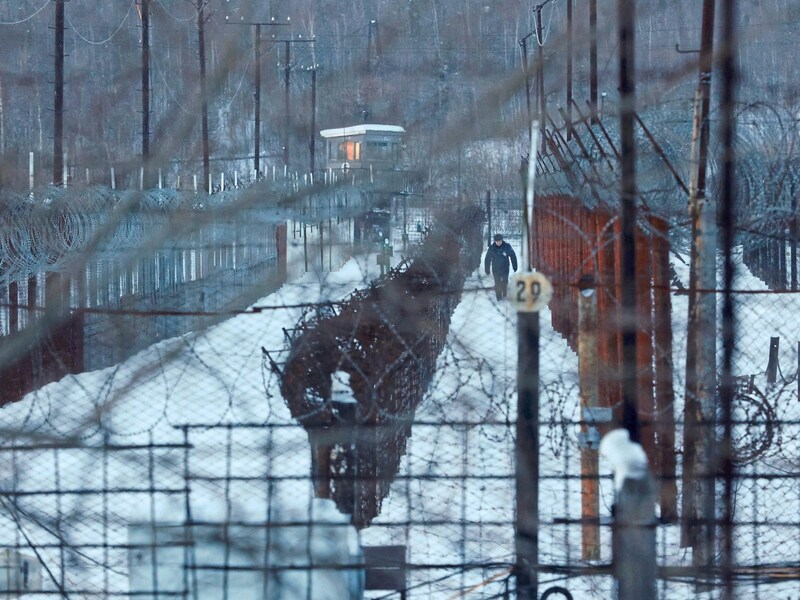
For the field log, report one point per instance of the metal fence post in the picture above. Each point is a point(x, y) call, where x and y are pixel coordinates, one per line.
point(772, 365)
point(529, 292)
point(527, 456)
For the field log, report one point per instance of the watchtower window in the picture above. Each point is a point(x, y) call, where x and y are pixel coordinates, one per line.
point(349, 151)
point(379, 150)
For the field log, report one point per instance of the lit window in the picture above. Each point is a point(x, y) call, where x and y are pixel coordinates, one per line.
point(349, 151)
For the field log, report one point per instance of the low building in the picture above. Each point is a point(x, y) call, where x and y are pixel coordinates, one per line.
point(363, 146)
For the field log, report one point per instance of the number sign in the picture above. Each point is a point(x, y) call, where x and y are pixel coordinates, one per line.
point(529, 292)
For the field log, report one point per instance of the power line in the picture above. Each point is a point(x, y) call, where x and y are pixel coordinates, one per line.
point(174, 18)
point(108, 39)
point(28, 18)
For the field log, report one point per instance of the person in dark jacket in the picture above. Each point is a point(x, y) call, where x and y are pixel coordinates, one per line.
point(497, 258)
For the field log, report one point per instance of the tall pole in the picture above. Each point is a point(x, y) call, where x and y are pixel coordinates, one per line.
point(203, 94)
point(793, 238)
point(527, 431)
point(593, 58)
point(626, 17)
point(727, 219)
point(569, 67)
point(701, 381)
point(489, 217)
point(369, 44)
point(524, 44)
point(145, 84)
point(257, 125)
point(590, 401)
point(540, 73)
point(58, 99)
point(527, 456)
point(313, 139)
point(257, 54)
point(287, 114)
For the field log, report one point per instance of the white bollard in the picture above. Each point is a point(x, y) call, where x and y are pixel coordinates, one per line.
point(178, 183)
point(141, 178)
point(195, 183)
point(160, 179)
point(210, 184)
point(236, 179)
point(30, 170)
point(222, 182)
point(113, 179)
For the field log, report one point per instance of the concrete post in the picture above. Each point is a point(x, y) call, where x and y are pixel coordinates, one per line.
point(634, 540)
point(589, 436)
point(633, 531)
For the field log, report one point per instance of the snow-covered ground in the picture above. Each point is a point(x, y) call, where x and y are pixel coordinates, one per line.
point(127, 435)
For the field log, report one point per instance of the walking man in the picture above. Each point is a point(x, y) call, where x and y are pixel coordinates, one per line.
point(497, 257)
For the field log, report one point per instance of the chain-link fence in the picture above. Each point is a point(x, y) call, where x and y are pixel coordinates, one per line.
point(240, 360)
point(349, 430)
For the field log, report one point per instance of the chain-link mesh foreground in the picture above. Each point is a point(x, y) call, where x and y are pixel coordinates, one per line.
point(355, 433)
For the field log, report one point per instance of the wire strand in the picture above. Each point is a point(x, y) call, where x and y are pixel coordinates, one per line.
point(28, 18)
point(108, 39)
point(179, 19)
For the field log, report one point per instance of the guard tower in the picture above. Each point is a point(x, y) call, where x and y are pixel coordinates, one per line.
point(362, 146)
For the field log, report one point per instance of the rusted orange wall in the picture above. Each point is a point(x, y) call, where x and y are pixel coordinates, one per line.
point(571, 239)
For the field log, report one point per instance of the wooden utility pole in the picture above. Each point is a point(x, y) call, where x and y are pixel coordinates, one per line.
point(287, 69)
point(590, 401)
point(593, 58)
point(58, 97)
point(145, 85)
point(286, 105)
point(701, 380)
point(257, 99)
point(570, 100)
point(369, 46)
point(257, 85)
point(664, 373)
point(524, 44)
point(312, 142)
point(201, 43)
point(540, 73)
point(489, 217)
